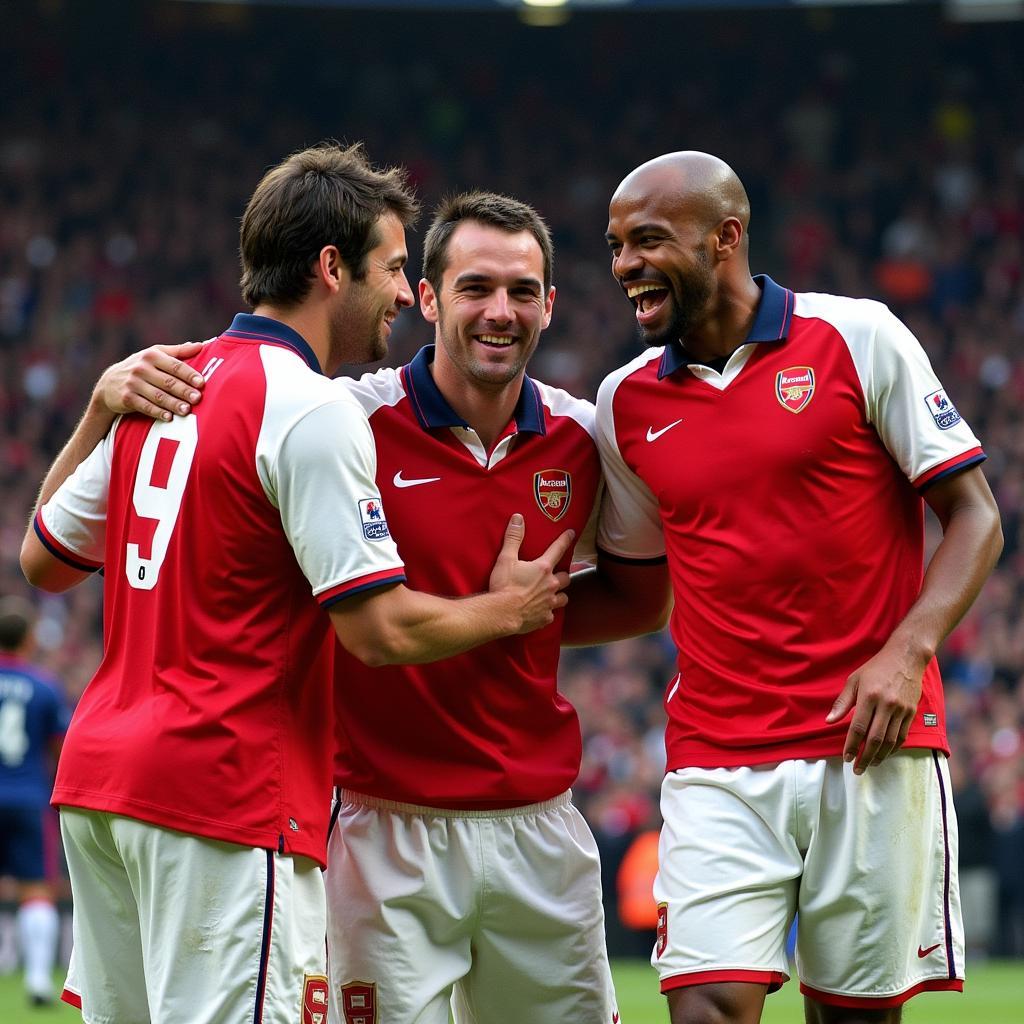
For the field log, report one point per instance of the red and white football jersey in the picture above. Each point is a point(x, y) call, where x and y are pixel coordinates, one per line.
point(220, 533)
point(785, 491)
point(487, 728)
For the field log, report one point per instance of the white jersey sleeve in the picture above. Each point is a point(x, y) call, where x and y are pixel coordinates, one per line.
point(75, 517)
point(629, 524)
point(903, 399)
point(318, 466)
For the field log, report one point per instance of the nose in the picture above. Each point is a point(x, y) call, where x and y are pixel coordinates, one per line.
point(404, 297)
point(499, 309)
point(626, 262)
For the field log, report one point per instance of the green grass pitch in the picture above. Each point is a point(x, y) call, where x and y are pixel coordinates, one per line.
point(994, 994)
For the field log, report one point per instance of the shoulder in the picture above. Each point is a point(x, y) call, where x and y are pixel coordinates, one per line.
point(847, 315)
point(305, 408)
point(559, 403)
point(373, 391)
point(644, 365)
point(294, 390)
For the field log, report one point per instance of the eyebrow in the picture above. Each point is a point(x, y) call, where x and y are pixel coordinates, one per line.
point(462, 279)
point(638, 229)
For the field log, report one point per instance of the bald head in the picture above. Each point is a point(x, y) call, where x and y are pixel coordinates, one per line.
point(677, 231)
point(697, 185)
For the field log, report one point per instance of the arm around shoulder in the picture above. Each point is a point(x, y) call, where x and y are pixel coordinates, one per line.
point(618, 599)
point(397, 626)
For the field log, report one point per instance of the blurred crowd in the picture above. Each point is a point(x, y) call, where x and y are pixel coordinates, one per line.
point(883, 151)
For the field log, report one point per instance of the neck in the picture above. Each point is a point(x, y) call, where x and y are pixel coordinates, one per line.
point(728, 322)
point(312, 325)
point(486, 410)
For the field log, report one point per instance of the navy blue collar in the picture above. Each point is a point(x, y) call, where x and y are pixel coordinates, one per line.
point(432, 408)
point(264, 328)
point(774, 313)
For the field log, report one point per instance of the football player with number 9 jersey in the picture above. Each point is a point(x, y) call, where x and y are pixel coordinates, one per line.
point(197, 767)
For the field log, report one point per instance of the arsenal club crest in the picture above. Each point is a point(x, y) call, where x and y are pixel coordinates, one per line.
point(553, 490)
point(314, 999)
point(794, 388)
point(359, 1002)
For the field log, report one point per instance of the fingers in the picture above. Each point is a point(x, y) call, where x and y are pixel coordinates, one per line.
point(163, 371)
point(856, 736)
point(558, 548)
point(845, 701)
point(155, 382)
point(514, 534)
point(874, 735)
point(186, 350)
point(876, 732)
point(895, 736)
point(134, 402)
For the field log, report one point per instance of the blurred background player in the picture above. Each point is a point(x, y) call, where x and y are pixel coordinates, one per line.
point(196, 773)
point(457, 863)
point(33, 720)
point(775, 449)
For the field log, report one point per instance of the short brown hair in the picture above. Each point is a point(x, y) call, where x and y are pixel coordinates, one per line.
point(325, 195)
point(17, 617)
point(488, 208)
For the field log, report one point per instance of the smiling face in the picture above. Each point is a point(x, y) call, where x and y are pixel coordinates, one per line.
point(491, 306)
point(659, 242)
point(362, 317)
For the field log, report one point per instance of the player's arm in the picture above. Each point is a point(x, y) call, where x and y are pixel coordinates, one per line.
point(615, 600)
point(41, 561)
point(399, 626)
point(321, 476)
point(155, 382)
point(884, 692)
point(629, 592)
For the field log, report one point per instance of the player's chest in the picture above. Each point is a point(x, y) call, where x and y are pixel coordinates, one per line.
point(789, 418)
point(439, 497)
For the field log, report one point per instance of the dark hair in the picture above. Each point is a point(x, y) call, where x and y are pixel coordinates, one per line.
point(325, 195)
point(16, 618)
point(488, 208)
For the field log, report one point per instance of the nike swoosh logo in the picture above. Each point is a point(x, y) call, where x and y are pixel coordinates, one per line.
point(399, 482)
point(922, 953)
point(653, 435)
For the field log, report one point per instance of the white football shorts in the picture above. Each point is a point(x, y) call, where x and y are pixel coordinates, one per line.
point(497, 913)
point(869, 862)
point(177, 929)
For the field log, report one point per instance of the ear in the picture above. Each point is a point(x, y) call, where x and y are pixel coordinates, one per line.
point(330, 269)
point(428, 301)
point(549, 305)
point(727, 238)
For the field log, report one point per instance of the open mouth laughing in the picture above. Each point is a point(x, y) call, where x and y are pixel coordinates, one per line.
point(648, 298)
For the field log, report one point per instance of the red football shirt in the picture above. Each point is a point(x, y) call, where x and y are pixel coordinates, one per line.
point(487, 728)
point(220, 533)
point(784, 492)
